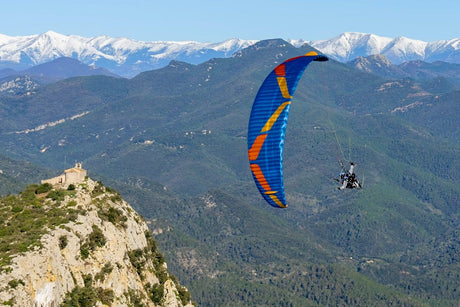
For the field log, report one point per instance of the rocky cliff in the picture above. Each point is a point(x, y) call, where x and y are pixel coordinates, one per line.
point(83, 246)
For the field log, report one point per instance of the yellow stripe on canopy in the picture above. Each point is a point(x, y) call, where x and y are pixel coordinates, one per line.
point(277, 201)
point(271, 121)
point(283, 87)
point(311, 53)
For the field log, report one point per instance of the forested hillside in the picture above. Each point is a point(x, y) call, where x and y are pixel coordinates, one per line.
point(16, 175)
point(173, 142)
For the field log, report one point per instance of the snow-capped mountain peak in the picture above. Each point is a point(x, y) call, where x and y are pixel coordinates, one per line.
point(349, 45)
point(127, 57)
point(121, 55)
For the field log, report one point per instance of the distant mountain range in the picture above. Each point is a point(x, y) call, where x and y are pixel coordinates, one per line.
point(127, 57)
point(24, 82)
point(123, 56)
point(416, 70)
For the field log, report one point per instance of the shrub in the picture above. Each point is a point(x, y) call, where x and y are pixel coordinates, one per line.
point(15, 282)
point(87, 280)
point(137, 259)
point(84, 252)
point(63, 242)
point(80, 296)
point(43, 188)
point(184, 294)
point(106, 296)
point(56, 195)
point(72, 203)
point(95, 239)
point(98, 189)
point(29, 192)
point(106, 270)
point(162, 274)
point(156, 293)
point(113, 215)
point(87, 296)
point(134, 298)
point(17, 208)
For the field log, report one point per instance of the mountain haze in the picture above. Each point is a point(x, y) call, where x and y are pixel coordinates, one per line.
point(26, 81)
point(173, 142)
point(62, 68)
point(417, 70)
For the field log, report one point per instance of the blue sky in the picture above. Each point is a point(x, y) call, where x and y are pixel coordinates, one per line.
point(217, 20)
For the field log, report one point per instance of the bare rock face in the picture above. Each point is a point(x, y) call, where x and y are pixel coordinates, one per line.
point(104, 256)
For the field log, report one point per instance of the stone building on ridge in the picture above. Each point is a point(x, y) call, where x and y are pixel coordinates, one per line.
point(72, 175)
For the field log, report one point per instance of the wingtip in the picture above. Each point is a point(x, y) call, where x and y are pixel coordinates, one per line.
point(321, 58)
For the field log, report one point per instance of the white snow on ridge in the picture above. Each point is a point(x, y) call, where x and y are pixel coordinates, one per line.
point(50, 45)
point(123, 56)
point(345, 46)
point(350, 45)
point(128, 56)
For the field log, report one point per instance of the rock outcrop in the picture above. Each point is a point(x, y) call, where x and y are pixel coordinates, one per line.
point(102, 255)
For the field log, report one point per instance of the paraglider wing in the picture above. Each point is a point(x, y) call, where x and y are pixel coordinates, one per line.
point(267, 126)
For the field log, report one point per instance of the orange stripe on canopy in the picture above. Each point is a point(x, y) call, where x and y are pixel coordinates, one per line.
point(260, 177)
point(253, 153)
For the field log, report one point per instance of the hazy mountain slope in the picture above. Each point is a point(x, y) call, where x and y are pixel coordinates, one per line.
point(60, 100)
point(448, 73)
point(443, 106)
point(16, 175)
point(58, 69)
point(427, 71)
point(27, 82)
point(62, 68)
